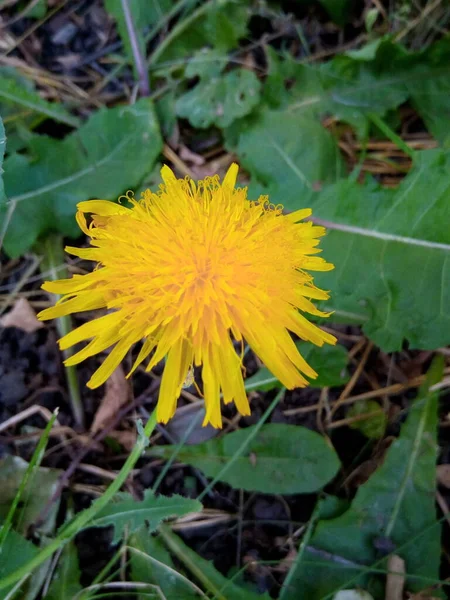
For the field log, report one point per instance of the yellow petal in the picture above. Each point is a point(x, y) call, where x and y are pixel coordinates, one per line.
point(230, 178)
point(103, 208)
point(167, 175)
point(299, 215)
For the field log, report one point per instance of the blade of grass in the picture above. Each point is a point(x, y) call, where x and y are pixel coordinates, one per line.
point(53, 256)
point(34, 464)
point(391, 135)
point(82, 520)
point(171, 541)
point(301, 551)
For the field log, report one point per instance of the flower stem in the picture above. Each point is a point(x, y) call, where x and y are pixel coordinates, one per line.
point(139, 59)
point(82, 520)
point(53, 256)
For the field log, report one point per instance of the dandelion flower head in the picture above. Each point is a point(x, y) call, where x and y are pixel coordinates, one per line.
point(193, 270)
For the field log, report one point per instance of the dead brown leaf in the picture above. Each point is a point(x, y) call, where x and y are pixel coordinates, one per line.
point(116, 395)
point(126, 438)
point(22, 316)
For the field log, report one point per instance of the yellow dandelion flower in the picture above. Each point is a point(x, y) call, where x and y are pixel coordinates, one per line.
point(187, 269)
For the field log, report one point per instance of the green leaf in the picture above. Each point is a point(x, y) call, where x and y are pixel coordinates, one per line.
point(38, 491)
point(396, 505)
point(219, 24)
point(281, 459)
point(12, 92)
point(206, 63)
point(38, 10)
point(110, 153)
point(2, 154)
point(16, 551)
point(339, 10)
point(204, 571)
point(220, 100)
point(391, 249)
point(150, 562)
point(330, 362)
point(372, 427)
point(287, 155)
point(431, 97)
point(127, 512)
point(374, 79)
point(66, 579)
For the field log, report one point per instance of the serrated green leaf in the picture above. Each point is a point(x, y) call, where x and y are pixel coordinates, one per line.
point(220, 100)
point(127, 512)
point(431, 97)
point(66, 578)
point(287, 155)
point(396, 506)
point(330, 362)
point(281, 459)
point(150, 562)
point(12, 93)
point(391, 249)
point(109, 154)
point(374, 79)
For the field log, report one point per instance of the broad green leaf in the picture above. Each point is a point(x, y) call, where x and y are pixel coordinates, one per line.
point(14, 93)
point(374, 426)
point(204, 571)
point(281, 459)
point(37, 493)
point(220, 100)
point(330, 362)
point(392, 254)
point(126, 512)
point(66, 578)
point(109, 154)
point(287, 154)
point(16, 551)
point(150, 562)
point(395, 506)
